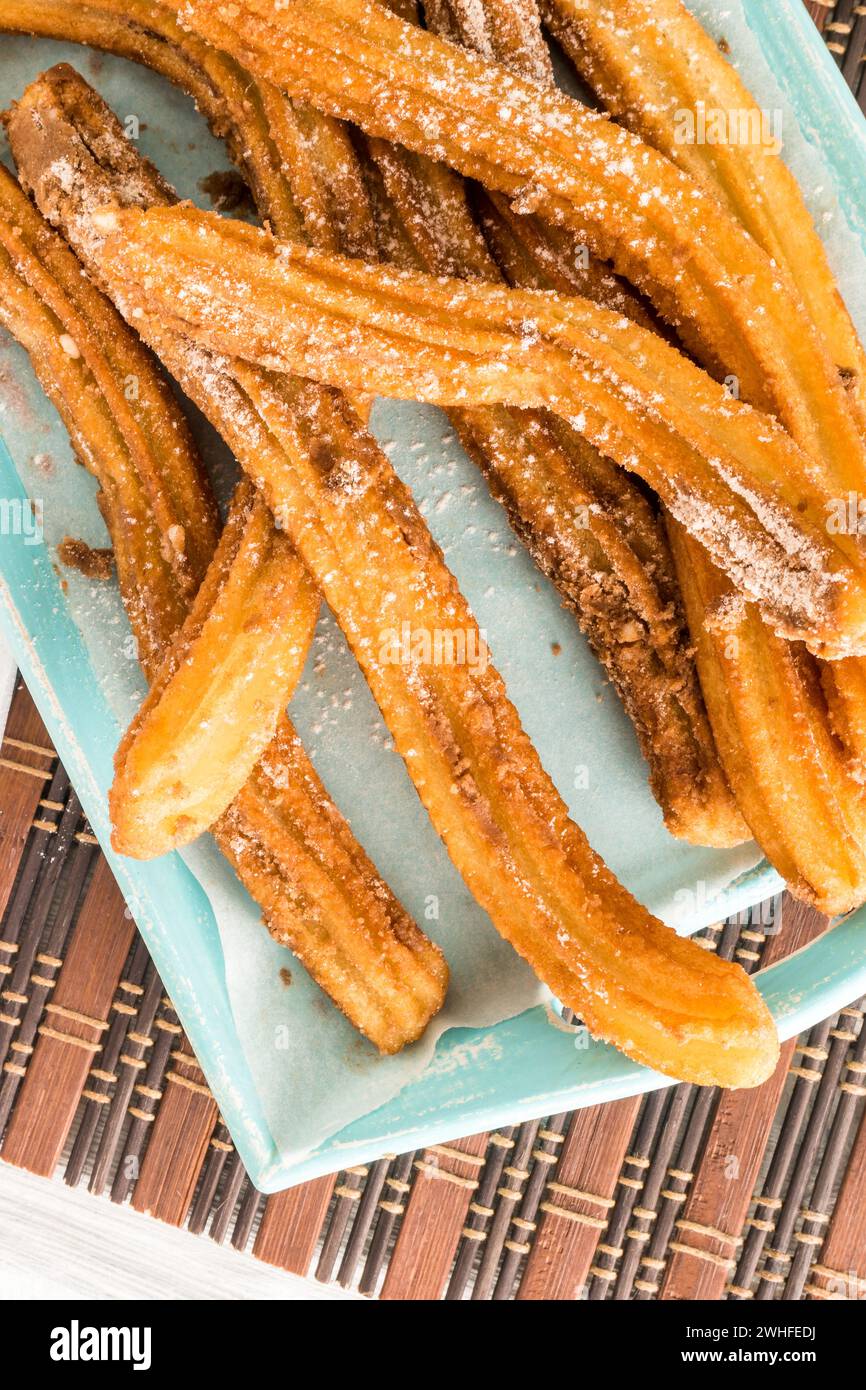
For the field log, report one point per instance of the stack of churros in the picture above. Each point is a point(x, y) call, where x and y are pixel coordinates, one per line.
point(575, 305)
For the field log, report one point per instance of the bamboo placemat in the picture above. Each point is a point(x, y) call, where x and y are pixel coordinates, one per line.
point(683, 1194)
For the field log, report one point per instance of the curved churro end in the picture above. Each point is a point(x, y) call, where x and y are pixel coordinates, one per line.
point(357, 941)
point(742, 1054)
point(661, 999)
point(214, 705)
point(788, 770)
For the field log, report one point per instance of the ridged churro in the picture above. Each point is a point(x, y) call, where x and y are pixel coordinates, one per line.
point(124, 423)
point(662, 999)
point(787, 770)
point(291, 847)
point(650, 66)
point(663, 231)
point(587, 524)
point(731, 475)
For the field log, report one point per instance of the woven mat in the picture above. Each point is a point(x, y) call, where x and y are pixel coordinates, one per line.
point(683, 1194)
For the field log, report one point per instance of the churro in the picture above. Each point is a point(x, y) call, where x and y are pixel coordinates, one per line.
point(298, 162)
point(587, 524)
point(590, 527)
point(634, 982)
point(681, 70)
point(630, 204)
point(728, 473)
point(120, 415)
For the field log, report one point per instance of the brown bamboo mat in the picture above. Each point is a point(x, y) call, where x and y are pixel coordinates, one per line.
point(683, 1194)
point(844, 27)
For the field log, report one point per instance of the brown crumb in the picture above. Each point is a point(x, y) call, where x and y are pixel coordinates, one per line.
point(285, 975)
point(78, 555)
point(847, 376)
point(724, 45)
point(556, 648)
point(227, 191)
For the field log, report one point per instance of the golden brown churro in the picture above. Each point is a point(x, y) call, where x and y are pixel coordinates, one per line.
point(753, 718)
point(292, 849)
point(124, 423)
point(663, 231)
point(588, 525)
point(633, 981)
point(729, 474)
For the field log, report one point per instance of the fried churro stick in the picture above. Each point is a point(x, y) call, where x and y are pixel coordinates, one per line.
point(298, 162)
point(289, 844)
point(649, 66)
point(771, 728)
point(717, 464)
point(250, 627)
point(589, 527)
point(760, 191)
point(650, 62)
point(663, 231)
point(634, 982)
point(122, 418)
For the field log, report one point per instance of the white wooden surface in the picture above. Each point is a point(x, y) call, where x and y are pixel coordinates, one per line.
point(58, 1242)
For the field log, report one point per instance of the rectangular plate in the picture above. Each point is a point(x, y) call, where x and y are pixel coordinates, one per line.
point(524, 1067)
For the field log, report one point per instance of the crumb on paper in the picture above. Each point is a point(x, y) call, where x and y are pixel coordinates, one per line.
point(92, 563)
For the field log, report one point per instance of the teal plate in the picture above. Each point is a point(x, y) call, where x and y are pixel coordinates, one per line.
point(479, 1078)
